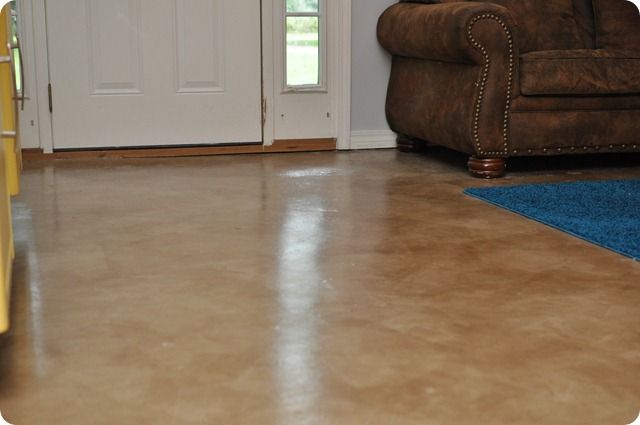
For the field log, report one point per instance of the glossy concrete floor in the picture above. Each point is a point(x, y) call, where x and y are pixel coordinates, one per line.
point(355, 288)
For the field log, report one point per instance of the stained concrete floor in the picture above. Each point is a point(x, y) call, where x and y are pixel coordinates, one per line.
point(354, 288)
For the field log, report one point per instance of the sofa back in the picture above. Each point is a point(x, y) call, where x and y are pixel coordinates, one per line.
point(584, 17)
point(548, 24)
point(617, 25)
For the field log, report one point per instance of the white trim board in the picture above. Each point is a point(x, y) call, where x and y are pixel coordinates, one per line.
point(376, 139)
point(338, 71)
point(343, 98)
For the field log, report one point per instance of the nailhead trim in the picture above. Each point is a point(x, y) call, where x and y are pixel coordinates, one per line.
point(483, 83)
point(551, 149)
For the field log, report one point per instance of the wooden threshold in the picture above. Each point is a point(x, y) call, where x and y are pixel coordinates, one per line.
point(279, 146)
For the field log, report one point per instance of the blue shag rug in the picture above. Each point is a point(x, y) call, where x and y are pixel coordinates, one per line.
point(606, 213)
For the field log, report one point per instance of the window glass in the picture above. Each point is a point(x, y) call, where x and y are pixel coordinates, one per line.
point(14, 41)
point(302, 6)
point(303, 50)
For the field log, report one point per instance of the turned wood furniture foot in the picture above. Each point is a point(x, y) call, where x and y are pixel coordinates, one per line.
point(487, 168)
point(409, 144)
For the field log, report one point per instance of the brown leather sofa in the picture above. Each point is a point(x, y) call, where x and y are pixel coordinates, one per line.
point(514, 77)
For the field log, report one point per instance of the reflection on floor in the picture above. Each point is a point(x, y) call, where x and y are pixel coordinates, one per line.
point(353, 288)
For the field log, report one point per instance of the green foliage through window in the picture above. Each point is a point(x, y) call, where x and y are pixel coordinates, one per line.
point(303, 43)
point(302, 6)
point(303, 52)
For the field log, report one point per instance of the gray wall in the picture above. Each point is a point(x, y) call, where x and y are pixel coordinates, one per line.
point(370, 67)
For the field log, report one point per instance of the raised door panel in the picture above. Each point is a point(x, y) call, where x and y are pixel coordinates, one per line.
point(199, 46)
point(115, 53)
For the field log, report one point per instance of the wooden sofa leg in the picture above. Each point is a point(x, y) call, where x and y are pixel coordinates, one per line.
point(409, 144)
point(487, 168)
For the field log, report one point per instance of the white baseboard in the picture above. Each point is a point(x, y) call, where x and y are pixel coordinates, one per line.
point(378, 139)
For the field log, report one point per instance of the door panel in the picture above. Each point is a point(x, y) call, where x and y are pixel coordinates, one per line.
point(199, 35)
point(131, 73)
point(112, 28)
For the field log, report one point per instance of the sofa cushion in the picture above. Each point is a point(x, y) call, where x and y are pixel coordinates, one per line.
point(542, 24)
point(580, 72)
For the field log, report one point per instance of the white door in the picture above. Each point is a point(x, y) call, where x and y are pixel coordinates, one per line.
point(128, 73)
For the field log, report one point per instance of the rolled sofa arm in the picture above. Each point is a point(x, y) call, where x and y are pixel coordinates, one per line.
point(454, 74)
point(437, 31)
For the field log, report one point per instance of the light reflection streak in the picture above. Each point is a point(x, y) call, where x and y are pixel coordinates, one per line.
point(299, 283)
point(34, 286)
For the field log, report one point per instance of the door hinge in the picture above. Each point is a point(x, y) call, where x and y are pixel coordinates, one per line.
point(264, 111)
point(50, 99)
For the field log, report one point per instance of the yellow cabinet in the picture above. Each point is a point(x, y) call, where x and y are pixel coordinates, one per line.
point(6, 244)
point(9, 56)
point(10, 158)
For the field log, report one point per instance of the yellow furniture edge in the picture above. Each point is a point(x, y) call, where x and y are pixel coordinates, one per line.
point(8, 106)
point(6, 245)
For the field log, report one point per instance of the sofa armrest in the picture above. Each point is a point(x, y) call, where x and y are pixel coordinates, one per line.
point(455, 66)
point(445, 31)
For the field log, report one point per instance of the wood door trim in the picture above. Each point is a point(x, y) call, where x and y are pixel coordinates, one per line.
point(301, 145)
point(280, 146)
